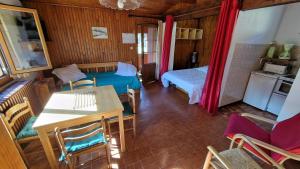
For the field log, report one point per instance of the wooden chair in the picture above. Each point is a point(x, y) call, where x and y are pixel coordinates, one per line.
point(234, 158)
point(128, 113)
point(18, 121)
point(83, 84)
point(80, 140)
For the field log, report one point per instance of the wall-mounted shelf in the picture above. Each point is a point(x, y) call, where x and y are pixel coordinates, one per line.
point(278, 61)
point(189, 33)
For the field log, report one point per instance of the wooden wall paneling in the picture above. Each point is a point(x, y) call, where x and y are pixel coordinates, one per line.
point(184, 48)
point(70, 34)
point(25, 91)
point(204, 46)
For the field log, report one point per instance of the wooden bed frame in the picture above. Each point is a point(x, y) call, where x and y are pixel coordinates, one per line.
point(100, 67)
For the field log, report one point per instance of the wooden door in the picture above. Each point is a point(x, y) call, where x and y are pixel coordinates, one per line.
point(147, 46)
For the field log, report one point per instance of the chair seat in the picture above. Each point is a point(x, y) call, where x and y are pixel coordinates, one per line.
point(237, 158)
point(27, 130)
point(72, 147)
point(127, 111)
point(241, 125)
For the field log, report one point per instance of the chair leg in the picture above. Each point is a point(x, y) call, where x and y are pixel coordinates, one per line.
point(107, 149)
point(70, 162)
point(207, 161)
point(109, 131)
point(22, 153)
point(134, 126)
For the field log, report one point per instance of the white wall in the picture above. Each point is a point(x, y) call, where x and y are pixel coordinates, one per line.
point(289, 30)
point(258, 26)
point(291, 105)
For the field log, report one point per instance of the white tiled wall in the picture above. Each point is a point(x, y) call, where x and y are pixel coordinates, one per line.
point(245, 60)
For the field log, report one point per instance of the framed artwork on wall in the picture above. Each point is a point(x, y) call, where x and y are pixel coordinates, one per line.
point(22, 40)
point(99, 33)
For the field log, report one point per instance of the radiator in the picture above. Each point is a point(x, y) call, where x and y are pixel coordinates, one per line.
point(15, 93)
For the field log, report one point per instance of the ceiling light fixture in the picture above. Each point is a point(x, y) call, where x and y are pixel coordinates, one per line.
point(121, 4)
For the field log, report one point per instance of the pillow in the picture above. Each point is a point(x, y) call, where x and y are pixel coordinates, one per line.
point(69, 73)
point(125, 69)
point(203, 69)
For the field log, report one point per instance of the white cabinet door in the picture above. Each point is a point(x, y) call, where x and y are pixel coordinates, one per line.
point(275, 104)
point(259, 90)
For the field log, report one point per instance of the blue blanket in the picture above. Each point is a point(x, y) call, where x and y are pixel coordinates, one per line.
point(110, 78)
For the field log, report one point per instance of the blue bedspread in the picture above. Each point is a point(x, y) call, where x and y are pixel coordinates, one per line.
point(110, 78)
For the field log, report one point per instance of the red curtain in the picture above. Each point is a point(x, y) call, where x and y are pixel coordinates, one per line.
point(227, 19)
point(166, 45)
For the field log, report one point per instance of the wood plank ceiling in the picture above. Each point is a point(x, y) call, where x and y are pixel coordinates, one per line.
point(148, 7)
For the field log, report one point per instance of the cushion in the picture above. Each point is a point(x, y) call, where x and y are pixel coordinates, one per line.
point(125, 69)
point(80, 145)
point(289, 130)
point(28, 131)
point(127, 109)
point(241, 125)
point(69, 73)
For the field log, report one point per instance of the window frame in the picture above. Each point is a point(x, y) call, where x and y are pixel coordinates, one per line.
point(5, 48)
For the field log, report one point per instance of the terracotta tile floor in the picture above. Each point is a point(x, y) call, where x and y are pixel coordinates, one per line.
point(170, 134)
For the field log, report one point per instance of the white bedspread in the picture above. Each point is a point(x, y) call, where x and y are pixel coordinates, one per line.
point(190, 80)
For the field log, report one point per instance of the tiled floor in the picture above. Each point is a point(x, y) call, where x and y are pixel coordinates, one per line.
point(170, 134)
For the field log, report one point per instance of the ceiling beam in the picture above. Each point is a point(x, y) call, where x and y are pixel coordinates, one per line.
point(198, 13)
point(254, 4)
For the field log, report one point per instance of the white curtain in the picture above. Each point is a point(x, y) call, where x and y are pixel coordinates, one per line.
point(161, 30)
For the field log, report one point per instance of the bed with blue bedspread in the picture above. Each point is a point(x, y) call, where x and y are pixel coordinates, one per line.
point(120, 83)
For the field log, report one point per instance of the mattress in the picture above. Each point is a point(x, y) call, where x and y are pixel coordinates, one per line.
point(190, 80)
point(110, 78)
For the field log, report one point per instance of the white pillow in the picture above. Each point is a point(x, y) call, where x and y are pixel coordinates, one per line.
point(203, 69)
point(125, 69)
point(69, 73)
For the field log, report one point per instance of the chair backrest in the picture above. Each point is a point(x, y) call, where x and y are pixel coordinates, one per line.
point(79, 133)
point(16, 117)
point(289, 130)
point(83, 84)
point(131, 98)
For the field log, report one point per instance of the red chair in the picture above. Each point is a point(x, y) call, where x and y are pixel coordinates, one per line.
point(274, 147)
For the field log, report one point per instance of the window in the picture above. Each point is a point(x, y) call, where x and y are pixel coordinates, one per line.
point(3, 69)
point(145, 41)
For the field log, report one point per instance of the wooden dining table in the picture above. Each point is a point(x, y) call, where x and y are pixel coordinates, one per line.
point(71, 108)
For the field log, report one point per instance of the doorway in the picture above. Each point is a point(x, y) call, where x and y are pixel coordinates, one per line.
point(147, 51)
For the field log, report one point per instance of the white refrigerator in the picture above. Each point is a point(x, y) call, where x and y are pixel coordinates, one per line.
point(259, 90)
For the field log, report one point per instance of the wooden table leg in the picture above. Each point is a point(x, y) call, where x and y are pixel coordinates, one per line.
point(48, 148)
point(121, 129)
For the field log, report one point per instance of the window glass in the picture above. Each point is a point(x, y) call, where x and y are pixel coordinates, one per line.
point(3, 69)
point(145, 41)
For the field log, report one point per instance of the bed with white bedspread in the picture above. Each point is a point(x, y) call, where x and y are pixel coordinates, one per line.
point(190, 80)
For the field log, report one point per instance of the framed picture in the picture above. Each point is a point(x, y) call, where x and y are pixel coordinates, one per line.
point(22, 40)
point(99, 33)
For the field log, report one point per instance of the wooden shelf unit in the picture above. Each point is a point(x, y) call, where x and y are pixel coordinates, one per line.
point(189, 33)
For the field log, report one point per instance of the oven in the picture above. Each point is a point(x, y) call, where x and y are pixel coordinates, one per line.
point(283, 86)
